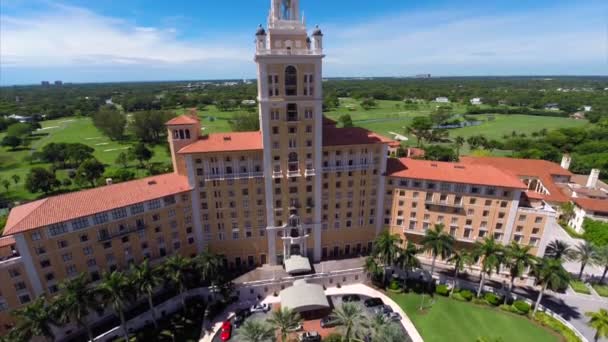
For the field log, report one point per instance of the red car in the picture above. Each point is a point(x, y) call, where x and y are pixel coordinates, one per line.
point(226, 331)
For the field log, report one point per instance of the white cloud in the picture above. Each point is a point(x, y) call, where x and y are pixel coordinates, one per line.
point(70, 35)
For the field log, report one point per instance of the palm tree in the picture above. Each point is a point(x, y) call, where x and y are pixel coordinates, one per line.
point(601, 260)
point(176, 272)
point(599, 322)
point(407, 259)
point(517, 260)
point(255, 331)
point(351, 319)
point(390, 333)
point(285, 321)
point(491, 255)
point(375, 324)
point(460, 259)
point(550, 274)
point(76, 301)
point(385, 250)
point(438, 242)
point(208, 266)
point(36, 319)
point(116, 292)
point(583, 253)
point(372, 267)
point(558, 249)
point(145, 279)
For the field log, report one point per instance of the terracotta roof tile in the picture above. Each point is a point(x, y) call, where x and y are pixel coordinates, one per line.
point(73, 205)
point(598, 205)
point(333, 136)
point(7, 241)
point(451, 172)
point(182, 120)
point(541, 169)
point(226, 142)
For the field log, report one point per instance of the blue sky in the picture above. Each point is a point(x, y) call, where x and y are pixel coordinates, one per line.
point(144, 40)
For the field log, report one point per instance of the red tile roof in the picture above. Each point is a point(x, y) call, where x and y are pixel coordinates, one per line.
point(541, 169)
point(451, 172)
point(7, 241)
point(226, 142)
point(333, 136)
point(592, 204)
point(182, 120)
point(73, 205)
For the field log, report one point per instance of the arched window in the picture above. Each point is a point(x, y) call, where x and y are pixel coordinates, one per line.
point(291, 81)
point(187, 134)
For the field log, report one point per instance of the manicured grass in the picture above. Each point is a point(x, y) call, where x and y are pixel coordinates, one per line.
point(579, 286)
point(451, 320)
point(601, 290)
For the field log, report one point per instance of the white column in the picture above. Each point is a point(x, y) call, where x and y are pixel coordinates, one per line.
point(512, 216)
point(318, 162)
point(196, 205)
point(28, 264)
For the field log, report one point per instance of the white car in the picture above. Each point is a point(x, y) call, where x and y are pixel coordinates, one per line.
point(259, 308)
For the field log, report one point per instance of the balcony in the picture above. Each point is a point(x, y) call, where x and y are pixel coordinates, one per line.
point(444, 207)
point(295, 173)
point(309, 172)
point(277, 174)
point(132, 229)
point(242, 175)
point(288, 52)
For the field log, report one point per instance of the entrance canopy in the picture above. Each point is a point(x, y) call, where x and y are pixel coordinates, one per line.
point(297, 264)
point(303, 296)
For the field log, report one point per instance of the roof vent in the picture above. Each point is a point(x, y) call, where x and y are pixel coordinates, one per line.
point(152, 182)
point(433, 165)
point(459, 167)
point(227, 138)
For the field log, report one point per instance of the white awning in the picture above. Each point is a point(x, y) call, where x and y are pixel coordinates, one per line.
point(303, 296)
point(297, 264)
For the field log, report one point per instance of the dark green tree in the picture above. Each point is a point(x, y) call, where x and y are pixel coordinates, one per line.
point(41, 180)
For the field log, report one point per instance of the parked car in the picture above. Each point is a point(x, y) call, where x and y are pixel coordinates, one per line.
point(226, 331)
point(309, 336)
point(373, 302)
point(393, 316)
point(328, 322)
point(351, 298)
point(259, 308)
point(240, 317)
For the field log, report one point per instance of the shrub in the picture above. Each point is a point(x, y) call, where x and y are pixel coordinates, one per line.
point(466, 294)
point(579, 286)
point(333, 337)
point(442, 290)
point(521, 306)
point(492, 299)
point(505, 307)
point(394, 285)
point(459, 297)
point(557, 326)
point(479, 301)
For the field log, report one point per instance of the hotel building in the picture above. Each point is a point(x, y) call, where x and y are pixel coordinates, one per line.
point(300, 186)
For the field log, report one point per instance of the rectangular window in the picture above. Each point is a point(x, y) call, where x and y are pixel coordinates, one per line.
point(57, 229)
point(100, 218)
point(119, 213)
point(154, 204)
point(137, 209)
point(80, 223)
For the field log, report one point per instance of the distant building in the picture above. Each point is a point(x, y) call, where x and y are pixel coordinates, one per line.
point(45, 83)
point(248, 102)
point(423, 76)
point(442, 99)
point(59, 83)
point(21, 118)
point(476, 101)
point(552, 106)
point(578, 115)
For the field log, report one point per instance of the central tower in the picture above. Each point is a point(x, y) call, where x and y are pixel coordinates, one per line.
point(291, 102)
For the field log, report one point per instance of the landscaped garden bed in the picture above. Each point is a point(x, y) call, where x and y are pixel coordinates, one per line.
point(601, 290)
point(579, 286)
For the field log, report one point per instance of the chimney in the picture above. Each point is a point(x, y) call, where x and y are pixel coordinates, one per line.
point(594, 175)
point(566, 159)
point(109, 181)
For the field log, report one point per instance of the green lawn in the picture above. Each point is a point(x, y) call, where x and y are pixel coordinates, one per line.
point(601, 290)
point(454, 321)
point(579, 286)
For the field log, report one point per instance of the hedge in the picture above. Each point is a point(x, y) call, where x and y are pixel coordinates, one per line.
point(466, 294)
point(557, 326)
point(442, 290)
point(492, 299)
point(521, 306)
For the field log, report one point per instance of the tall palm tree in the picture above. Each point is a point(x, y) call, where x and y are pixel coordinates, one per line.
point(255, 331)
point(583, 253)
point(601, 260)
point(550, 274)
point(35, 319)
point(385, 250)
point(117, 293)
point(375, 324)
point(372, 267)
point(145, 280)
point(285, 321)
point(460, 259)
point(351, 319)
point(390, 333)
point(208, 265)
point(558, 249)
point(438, 242)
point(176, 270)
point(599, 322)
point(491, 255)
point(407, 259)
point(76, 300)
point(517, 260)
